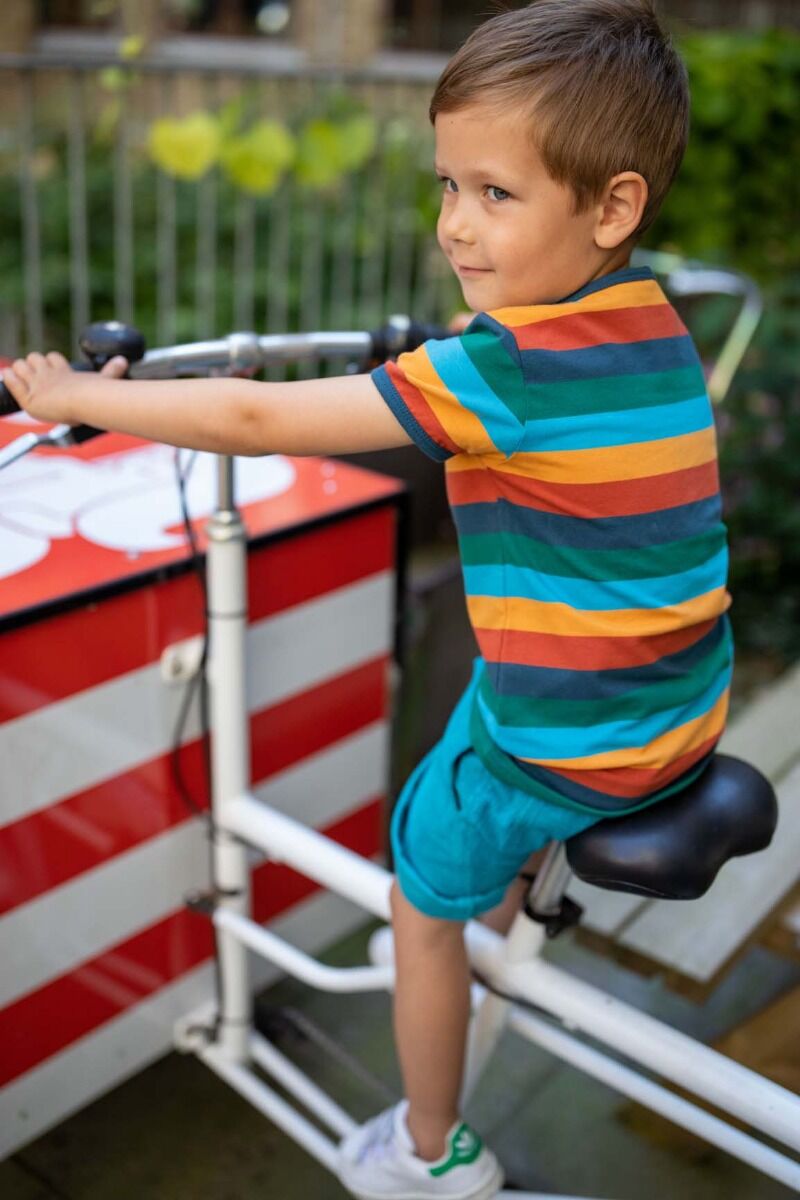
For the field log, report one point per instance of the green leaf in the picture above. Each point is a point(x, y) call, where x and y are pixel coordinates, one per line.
point(113, 79)
point(327, 149)
point(359, 135)
point(321, 158)
point(231, 116)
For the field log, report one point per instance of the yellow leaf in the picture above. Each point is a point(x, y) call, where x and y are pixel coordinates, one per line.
point(131, 47)
point(185, 147)
point(256, 159)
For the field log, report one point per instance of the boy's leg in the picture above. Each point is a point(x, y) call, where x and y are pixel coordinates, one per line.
point(501, 918)
point(431, 1015)
point(432, 1007)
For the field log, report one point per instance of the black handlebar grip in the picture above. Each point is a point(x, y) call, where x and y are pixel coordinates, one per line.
point(99, 342)
point(7, 402)
point(104, 340)
point(400, 334)
point(422, 331)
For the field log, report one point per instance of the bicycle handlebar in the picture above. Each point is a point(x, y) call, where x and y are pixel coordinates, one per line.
point(685, 278)
point(238, 351)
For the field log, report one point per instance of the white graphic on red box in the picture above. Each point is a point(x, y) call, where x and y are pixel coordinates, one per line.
point(127, 502)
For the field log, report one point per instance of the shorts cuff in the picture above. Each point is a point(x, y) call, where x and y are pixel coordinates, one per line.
point(433, 904)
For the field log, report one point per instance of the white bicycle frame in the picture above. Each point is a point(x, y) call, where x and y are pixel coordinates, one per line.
point(565, 1007)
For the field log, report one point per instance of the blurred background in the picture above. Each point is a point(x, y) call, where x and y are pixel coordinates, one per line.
point(196, 166)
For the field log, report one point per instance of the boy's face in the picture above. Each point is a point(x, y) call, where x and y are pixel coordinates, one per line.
point(507, 228)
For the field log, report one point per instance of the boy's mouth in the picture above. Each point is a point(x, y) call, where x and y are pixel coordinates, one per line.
point(469, 271)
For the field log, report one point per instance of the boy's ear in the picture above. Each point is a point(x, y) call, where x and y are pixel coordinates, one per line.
point(620, 210)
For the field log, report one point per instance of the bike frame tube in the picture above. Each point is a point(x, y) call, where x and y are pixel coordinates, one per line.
point(622, 1078)
point(643, 1039)
point(230, 753)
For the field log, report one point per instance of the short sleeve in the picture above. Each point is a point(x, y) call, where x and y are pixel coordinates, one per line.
point(460, 395)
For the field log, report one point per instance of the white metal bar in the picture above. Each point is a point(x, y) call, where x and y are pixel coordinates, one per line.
point(547, 890)
point(657, 1046)
point(296, 1126)
point(230, 757)
point(299, 964)
point(270, 1059)
point(273, 1106)
point(623, 1079)
point(524, 941)
point(311, 853)
point(654, 1096)
point(737, 1090)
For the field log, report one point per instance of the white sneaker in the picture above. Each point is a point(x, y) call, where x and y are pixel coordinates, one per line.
point(378, 1162)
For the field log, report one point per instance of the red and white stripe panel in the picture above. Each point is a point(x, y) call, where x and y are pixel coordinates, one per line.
point(98, 954)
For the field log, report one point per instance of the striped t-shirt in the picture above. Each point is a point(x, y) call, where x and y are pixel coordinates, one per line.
point(580, 455)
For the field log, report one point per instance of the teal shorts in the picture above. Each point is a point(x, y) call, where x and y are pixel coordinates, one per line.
point(459, 834)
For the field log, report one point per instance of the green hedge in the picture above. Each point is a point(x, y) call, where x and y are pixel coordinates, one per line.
point(737, 197)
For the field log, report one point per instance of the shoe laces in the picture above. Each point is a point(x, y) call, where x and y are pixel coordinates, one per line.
point(380, 1137)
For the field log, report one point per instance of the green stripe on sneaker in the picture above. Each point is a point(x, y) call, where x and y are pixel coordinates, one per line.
point(465, 1146)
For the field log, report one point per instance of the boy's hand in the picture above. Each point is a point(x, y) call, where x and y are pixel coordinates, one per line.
point(43, 385)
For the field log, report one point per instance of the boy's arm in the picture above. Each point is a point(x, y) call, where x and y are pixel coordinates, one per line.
point(227, 416)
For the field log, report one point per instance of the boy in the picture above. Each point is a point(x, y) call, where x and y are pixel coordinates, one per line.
point(581, 470)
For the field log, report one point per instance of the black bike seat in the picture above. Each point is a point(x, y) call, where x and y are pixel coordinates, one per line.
point(674, 849)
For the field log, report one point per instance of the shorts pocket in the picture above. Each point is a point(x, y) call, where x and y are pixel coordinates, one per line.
point(506, 822)
point(471, 788)
point(457, 786)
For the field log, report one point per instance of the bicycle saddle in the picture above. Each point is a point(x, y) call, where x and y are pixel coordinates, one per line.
point(674, 849)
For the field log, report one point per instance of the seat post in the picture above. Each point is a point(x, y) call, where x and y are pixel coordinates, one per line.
point(549, 884)
point(541, 908)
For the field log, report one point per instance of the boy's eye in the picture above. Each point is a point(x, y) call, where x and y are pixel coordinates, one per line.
point(497, 193)
point(450, 185)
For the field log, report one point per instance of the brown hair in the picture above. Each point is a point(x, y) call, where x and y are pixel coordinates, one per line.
point(606, 90)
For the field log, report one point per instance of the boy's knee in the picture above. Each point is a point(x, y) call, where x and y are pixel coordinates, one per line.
point(405, 914)
point(401, 908)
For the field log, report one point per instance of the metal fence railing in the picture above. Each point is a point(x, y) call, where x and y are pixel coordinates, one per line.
point(92, 228)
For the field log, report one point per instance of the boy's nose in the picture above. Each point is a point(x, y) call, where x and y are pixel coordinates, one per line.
point(455, 225)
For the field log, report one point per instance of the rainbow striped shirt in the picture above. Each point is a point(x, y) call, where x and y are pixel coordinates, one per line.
point(580, 455)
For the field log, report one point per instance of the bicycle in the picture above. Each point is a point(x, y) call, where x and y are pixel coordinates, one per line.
point(514, 988)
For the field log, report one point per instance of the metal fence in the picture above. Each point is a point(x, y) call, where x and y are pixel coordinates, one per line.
point(94, 231)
